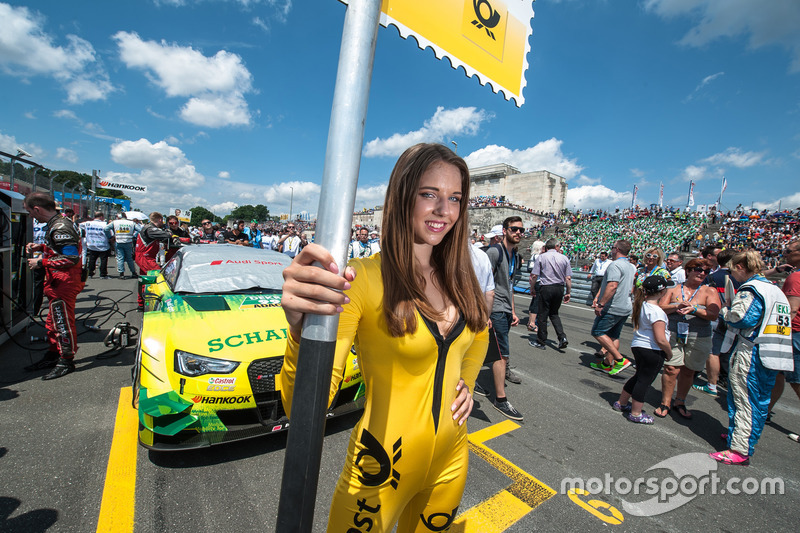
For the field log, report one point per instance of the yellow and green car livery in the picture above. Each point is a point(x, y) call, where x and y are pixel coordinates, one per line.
point(211, 346)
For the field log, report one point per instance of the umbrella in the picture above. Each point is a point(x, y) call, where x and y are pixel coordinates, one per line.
point(130, 215)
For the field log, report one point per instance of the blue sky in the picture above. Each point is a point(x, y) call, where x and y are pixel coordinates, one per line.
point(227, 102)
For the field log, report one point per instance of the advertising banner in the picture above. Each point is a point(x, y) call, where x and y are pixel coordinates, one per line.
point(184, 215)
point(121, 186)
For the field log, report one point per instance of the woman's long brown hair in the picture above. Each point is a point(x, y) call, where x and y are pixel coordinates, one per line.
point(403, 284)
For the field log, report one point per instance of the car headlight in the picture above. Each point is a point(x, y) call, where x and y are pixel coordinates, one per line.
point(189, 364)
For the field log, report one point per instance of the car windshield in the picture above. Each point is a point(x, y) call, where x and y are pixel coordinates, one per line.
point(225, 268)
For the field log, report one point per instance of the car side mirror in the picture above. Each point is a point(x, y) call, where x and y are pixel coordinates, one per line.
point(148, 278)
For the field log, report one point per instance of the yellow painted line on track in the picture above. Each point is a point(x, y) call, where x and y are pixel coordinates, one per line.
point(119, 490)
point(511, 504)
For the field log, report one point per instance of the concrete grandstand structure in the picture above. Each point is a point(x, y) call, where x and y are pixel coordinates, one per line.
point(540, 191)
point(522, 194)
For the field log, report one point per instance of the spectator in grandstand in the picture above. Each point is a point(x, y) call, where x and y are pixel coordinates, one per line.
point(634, 260)
point(236, 234)
point(597, 271)
point(612, 306)
point(675, 267)
point(650, 348)
point(554, 273)
point(690, 307)
point(759, 351)
point(653, 261)
point(791, 288)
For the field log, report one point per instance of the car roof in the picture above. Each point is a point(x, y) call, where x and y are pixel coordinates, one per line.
point(221, 268)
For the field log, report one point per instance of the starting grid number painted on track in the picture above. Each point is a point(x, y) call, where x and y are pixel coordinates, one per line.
point(511, 504)
point(525, 493)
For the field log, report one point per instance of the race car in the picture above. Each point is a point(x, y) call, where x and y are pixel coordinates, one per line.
point(211, 347)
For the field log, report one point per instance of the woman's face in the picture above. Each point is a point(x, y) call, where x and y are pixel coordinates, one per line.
point(651, 259)
point(438, 203)
point(740, 273)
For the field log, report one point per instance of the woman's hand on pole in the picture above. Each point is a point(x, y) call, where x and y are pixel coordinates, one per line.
point(310, 289)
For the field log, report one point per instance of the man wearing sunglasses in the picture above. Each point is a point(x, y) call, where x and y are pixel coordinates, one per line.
point(207, 234)
point(506, 263)
point(691, 308)
point(675, 267)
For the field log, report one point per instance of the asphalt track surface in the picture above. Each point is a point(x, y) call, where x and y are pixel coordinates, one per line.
point(69, 460)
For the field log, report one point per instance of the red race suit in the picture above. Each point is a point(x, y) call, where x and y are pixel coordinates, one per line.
point(147, 247)
point(61, 259)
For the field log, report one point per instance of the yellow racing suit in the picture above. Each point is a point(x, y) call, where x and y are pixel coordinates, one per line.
point(407, 458)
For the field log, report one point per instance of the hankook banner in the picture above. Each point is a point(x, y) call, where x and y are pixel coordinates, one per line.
point(122, 186)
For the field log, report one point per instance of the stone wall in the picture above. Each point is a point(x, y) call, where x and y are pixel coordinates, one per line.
point(540, 191)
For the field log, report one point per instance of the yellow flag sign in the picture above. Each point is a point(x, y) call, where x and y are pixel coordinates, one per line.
point(488, 38)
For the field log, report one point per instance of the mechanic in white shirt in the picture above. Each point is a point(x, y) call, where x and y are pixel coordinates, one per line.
point(97, 244)
point(124, 232)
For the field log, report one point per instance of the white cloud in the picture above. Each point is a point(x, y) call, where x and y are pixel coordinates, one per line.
point(30, 115)
point(10, 144)
point(215, 85)
point(444, 124)
point(67, 155)
point(787, 202)
point(216, 111)
point(223, 208)
point(259, 22)
point(694, 173)
point(735, 157)
point(703, 83)
point(27, 50)
point(224, 174)
point(586, 180)
point(597, 196)
point(775, 22)
point(546, 155)
point(370, 197)
point(169, 175)
point(66, 113)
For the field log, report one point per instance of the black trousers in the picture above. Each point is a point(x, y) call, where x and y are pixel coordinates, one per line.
point(648, 365)
point(596, 282)
point(550, 297)
point(92, 255)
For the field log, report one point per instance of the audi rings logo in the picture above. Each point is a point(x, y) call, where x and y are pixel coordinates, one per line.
point(486, 16)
